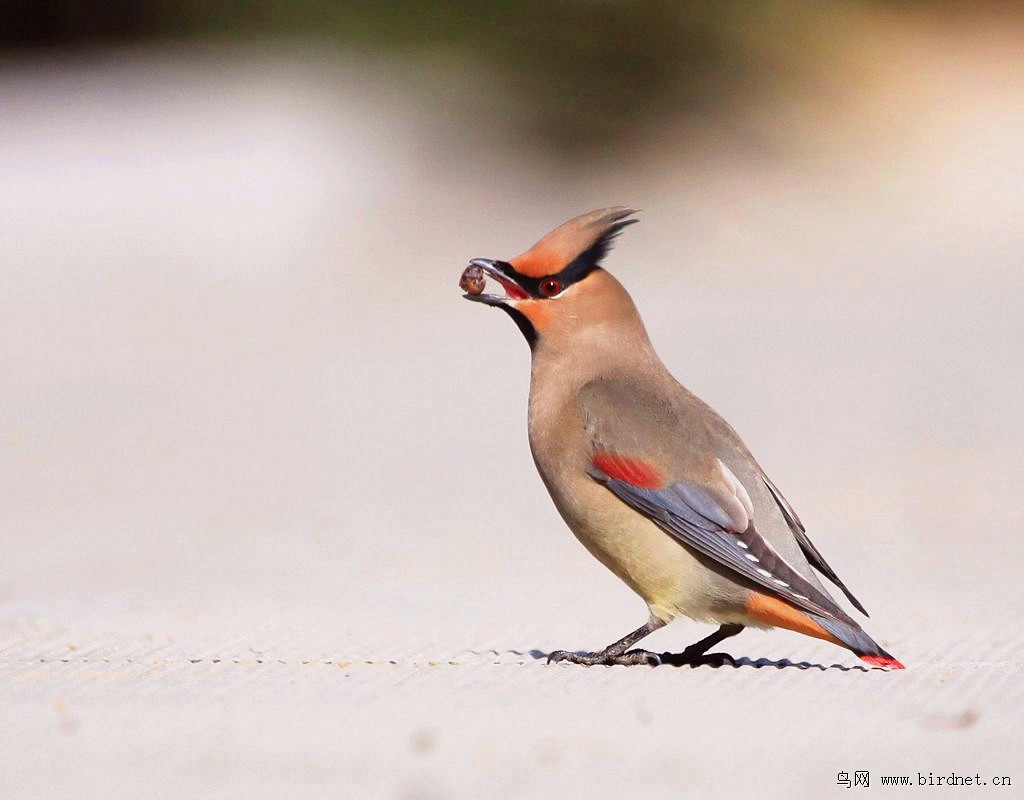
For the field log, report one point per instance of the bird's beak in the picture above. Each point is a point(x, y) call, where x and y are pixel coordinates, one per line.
point(496, 270)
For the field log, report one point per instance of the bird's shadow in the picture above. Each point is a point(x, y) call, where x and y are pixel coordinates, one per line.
point(737, 663)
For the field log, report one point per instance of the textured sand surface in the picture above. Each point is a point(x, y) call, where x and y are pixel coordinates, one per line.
point(269, 521)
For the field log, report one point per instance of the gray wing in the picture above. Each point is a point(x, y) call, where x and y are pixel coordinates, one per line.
point(656, 453)
point(815, 558)
point(694, 515)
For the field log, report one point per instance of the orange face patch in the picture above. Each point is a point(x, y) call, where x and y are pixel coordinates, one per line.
point(537, 263)
point(537, 311)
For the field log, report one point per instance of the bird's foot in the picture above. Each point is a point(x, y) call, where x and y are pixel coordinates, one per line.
point(695, 659)
point(607, 659)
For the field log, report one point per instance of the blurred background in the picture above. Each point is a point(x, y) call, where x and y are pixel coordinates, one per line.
point(246, 411)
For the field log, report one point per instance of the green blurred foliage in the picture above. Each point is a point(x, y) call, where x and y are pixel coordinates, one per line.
point(583, 73)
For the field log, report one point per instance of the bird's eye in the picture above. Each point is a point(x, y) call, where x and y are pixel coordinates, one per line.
point(549, 287)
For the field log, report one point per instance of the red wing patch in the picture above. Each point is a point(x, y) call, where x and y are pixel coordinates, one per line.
point(633, 471)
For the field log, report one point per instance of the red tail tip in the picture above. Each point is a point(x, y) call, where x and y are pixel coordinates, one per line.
point(886, 662)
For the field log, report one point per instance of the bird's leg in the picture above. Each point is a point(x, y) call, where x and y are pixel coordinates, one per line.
point(697, 653)
point(618, 652)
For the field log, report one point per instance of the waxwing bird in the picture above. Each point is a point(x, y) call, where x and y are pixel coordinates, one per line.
point(657, 486)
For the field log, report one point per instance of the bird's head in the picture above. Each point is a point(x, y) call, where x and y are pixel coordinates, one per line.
point(559, 279)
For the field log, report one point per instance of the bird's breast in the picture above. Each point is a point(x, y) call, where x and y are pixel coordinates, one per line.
point(664, 573)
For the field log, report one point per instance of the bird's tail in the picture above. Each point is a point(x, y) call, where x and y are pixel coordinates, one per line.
point(851, 635)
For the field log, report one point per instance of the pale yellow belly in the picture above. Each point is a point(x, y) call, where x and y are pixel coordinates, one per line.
point(653, 564)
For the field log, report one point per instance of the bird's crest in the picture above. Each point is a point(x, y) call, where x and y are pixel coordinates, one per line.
point(576, 246)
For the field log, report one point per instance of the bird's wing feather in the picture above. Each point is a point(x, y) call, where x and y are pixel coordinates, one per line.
point(816, 559)
point(642, 450)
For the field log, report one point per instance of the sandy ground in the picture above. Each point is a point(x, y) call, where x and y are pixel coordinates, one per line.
point(269, 519)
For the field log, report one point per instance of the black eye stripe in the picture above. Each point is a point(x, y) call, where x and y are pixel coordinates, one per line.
point(577, 269)
point(534, 286)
